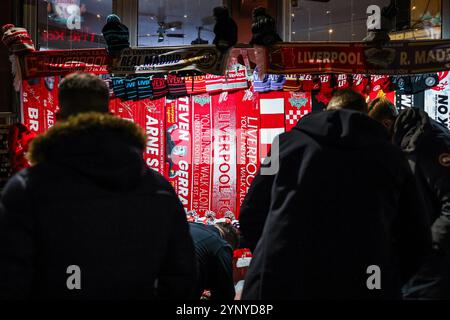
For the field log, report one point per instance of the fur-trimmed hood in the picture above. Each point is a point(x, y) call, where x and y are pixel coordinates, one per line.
point(100, 146)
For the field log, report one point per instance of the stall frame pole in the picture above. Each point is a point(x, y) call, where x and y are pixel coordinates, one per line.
point(445, 13)
point(128, 11)
point(286, 23)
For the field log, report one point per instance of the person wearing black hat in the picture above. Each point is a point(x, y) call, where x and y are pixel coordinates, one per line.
point(264, 30)
point(116, 35)
point(225, 29)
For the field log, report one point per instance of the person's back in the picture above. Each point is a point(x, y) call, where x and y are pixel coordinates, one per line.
point(214, 258)
point(89, 201)
point(343, 199)
point(426, 144)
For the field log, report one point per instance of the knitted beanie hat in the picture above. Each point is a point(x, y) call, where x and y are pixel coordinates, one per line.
point(327, 86)
point(260, 85)
point(235, 80)
point(414, 84)
point(424, 82)
point(343, 81)
point(361, 83)
point(177, 86)
point(17, 39)
point(195, 84)
point(113, 18)
point(144, 87)
point(214, 83)
point(116, 35)
point(119, 87)
point(199, 84)
point(277, 82)
point(380, 82)
point(159, 85)
point(327, 83)
point(292, 83)
point(307, 82)
point(131, 88)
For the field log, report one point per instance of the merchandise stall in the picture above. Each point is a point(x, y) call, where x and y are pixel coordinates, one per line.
point(210, 117)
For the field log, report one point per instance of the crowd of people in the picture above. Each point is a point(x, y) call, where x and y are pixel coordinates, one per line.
point(359, 187)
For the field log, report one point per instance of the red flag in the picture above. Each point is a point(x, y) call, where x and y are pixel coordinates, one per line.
point(272, 117)
point(297, 105)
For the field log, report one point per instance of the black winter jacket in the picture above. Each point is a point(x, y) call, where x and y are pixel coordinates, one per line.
point(342, 200)
point(426, 144)
point(214, 262)
point(90, 201)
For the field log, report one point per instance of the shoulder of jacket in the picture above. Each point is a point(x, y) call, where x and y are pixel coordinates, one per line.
point(19, 180)
point(16, 190)
point(160, 185)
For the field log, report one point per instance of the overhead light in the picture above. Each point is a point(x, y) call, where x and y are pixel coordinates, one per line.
point(98, 16)
point(328, 12)
point(293, 15)
point(413, 8)
point(172, 29)
point(185, 16)
point(293, 32)
point(330, 30)
point(148, 34)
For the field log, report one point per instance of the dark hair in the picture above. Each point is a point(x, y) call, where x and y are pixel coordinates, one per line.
point(82, 92)
point(382, 109)
point(229, 233)
point(258, 11)
point(348, 99)
point(221, 12)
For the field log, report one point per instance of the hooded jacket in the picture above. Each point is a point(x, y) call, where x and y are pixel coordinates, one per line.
point(214, 262)
point(426, 145)
point(343, 200)
point(90, 201)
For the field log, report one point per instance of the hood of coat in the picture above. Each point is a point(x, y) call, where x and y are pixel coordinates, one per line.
point(106, 149)
point(343, 128)
point(410, 128)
